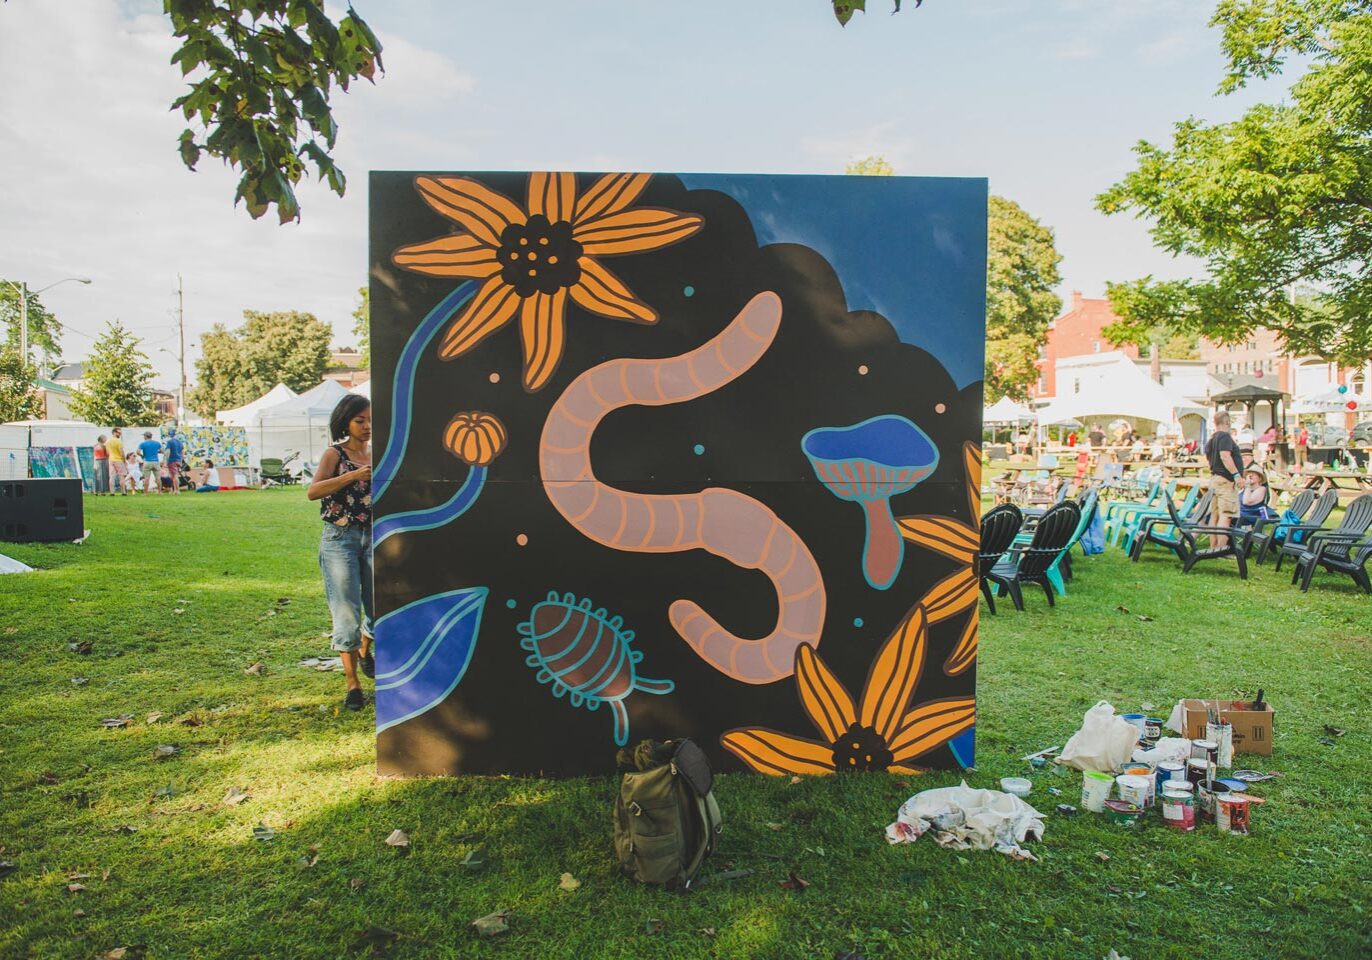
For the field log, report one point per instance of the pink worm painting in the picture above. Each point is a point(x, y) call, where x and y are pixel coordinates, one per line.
point(724, 522)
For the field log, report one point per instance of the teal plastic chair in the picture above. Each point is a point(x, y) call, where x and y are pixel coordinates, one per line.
point(1115, 509)
point(1124, 518)
point(1055, 570)
point(1139, 517)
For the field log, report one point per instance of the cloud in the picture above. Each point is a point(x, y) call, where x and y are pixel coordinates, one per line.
point(832, 151)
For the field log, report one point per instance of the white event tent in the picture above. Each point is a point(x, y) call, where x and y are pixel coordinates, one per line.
point(298, 425)
point(1119, 389)
point(1006, 410)
point(246, 415)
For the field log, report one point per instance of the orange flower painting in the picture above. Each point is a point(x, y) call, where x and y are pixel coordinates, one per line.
point(533, 259)
point(881, 732)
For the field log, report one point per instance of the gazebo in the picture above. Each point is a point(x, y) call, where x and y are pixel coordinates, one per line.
point(1250, 395)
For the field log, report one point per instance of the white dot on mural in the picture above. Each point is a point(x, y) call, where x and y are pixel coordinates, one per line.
point(940, 408)
point(522, 540)
point(495, 378)
point(862, 370)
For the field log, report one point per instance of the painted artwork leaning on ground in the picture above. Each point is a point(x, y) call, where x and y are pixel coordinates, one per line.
point(675, 455)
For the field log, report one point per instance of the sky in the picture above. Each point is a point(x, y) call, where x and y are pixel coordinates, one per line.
point(1045, 98)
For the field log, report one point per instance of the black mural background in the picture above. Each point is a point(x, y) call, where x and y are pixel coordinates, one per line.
point(499, 719)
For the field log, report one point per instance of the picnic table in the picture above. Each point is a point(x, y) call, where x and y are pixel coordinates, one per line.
point(1359, 482)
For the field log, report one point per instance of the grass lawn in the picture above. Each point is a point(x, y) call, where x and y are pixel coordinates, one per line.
point(180, 596)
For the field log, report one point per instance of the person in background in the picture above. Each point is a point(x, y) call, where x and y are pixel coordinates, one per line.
point(176, 459)
point(1302, 446)
point(343, 487)
point(150, 452)
point(119, 469)
point(1072, 439)
point(1226, 466)
point(1096, 436)
point(102, 467)
point(211, 484)
point(1253, 498)
point(1264, 443)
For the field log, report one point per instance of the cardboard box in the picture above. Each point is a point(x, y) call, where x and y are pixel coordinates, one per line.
point(1252, 728)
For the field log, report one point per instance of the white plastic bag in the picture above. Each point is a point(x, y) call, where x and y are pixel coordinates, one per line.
point(1103, 743)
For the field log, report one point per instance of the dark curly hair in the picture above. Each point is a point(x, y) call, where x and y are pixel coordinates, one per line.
point(349, 407)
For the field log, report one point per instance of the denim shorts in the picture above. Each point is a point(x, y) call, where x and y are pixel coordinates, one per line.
point(345, 557)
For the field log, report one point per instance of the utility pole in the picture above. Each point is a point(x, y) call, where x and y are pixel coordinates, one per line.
point(181, 331)
point(24, 321)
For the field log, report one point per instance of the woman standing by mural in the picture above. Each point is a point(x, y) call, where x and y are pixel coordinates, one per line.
point(343, 485)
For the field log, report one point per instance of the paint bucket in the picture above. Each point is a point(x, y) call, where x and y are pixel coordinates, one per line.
point(1169, 771)
point(1138, 720)
point(1208, 793)
point(1123, 813)
point(1152, 728)
point(1222, 735)
point(1196, 771)
point(1205, 750)
point(1095, 790)
point(1233, 812)
point(1179, 807)
point(1141, 768)
point(1134, 789)
point(1016, 786)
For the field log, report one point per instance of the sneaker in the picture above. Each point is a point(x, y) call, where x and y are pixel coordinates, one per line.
point(354, 700)
point(368, 664)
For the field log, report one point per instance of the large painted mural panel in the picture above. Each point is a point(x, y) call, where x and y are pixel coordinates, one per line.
point(667, 456)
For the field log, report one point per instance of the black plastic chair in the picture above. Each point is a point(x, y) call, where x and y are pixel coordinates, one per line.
point(1314, 523)
point(1030, 564)
point(1189, 550)
point(999, 528)
point(1156, 529)
point(1264, 530)
point(1344, 550)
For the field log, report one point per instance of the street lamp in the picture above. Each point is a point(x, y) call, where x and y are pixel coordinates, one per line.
point(23, 289)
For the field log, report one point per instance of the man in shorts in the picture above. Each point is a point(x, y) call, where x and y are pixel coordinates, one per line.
point(151, 452)
point(119, 470)
point(1226, 467)
point(176, 457)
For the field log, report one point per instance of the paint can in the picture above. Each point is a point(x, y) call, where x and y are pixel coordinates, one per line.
point(1134, 789)
point(1152, 728)
point(1208, 793)
point(1179, 807)
point(1222, 735)
point(1169, 771)
point(1205, 750)
point(1196, 771)
point(1095, 790)
point(1142, 768)
point(1138, 720)
point(1066, 810)
point(1234, 813)
point(1123, 813)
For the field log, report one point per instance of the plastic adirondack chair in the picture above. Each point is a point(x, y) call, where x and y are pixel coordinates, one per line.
point(1060, 571)
point(1337, 549)
point(1029, 564)
point(1135, 518)
point(1265, 529)
point(1116, 511)
point(1294, 535)
point(1191, 552)
point(998, 529)
point(1162, 529)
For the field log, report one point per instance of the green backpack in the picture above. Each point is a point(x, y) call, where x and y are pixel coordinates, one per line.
point(666, 818)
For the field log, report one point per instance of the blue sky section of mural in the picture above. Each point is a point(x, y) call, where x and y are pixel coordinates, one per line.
point(929, 289)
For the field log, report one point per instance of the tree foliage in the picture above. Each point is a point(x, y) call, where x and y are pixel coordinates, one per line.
point(362, 325)
point(872, 166)
point(45, 334)
point(844, 9)
point(261, 73)
point(19, 400)
point(116, 382)
point(1021, 273)
point(238, 366)
point(1282, 196)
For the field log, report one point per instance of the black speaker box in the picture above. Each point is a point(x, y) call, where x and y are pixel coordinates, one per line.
point(40, 510)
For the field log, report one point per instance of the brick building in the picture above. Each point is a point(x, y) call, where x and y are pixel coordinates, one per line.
point(1076, 333)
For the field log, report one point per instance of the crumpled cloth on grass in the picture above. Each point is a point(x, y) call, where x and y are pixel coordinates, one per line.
point(965, 819)
point(1176, 749)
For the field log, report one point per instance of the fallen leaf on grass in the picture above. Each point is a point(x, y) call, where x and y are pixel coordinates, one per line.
point(1148, 706)
point(191, 720)
point(653, 927)
point(398, 838)
point(1327, 742)
point(75, 887)
point(1334, 731)
point(282, 601)
point(7, 867)
point(263, 832)
point(775, 826)
point(474, 860)
point(48, 777)
point(114, 723)
point(164, 750)
point(1122, 608)
point(124, 953)
point(1144, 618)
point(82, 647)
point(378, 938)
point(356, 884)
point(155, 716)
point(178, 611)
point(1102, 856)
point(795, 780)
point(80, 681)
point(493, 924)
point(256, 669)
point(568, 882)
point(794, 882)
point(1113, 955)
point(126, 828)
point(234, 797)
point(304, 863)
point(78, 913)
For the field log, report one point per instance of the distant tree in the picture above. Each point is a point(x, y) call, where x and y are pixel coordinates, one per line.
point(1280, 197)
point(116, 382)
point(44, 332)
point(238, 366)
point(261, 75)
point(872, 166)
point(362, 325)
point(1174, 344)
point(19, 400)
point(1021, 272)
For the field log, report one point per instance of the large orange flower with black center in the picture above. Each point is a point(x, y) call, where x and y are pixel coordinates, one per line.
point(532, 259)
point(880, 733)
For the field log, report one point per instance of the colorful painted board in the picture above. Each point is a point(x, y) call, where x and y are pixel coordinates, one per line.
point(227, 446)
point(56, 462)
point(676, 455)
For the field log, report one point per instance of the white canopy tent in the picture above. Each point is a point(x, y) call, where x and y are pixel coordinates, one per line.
point(363, 389)
point(246, 415)
point(1006, 410)
point(1119, 389)
point(1330, 401)
point(298, 425)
